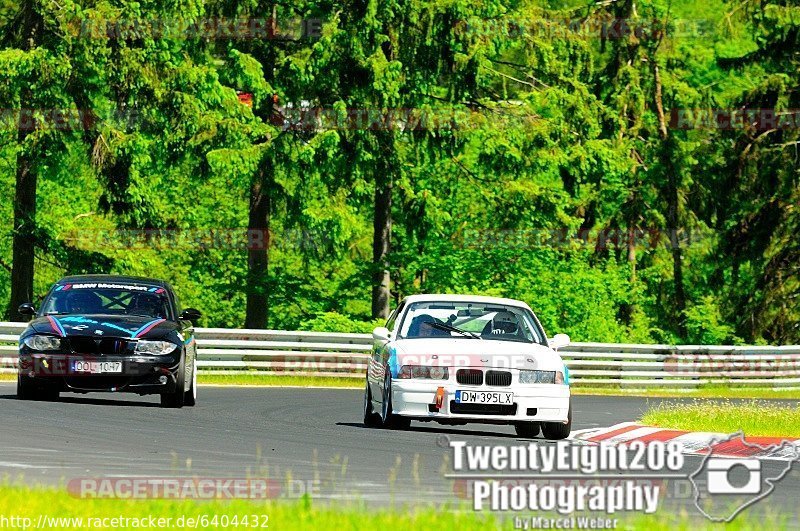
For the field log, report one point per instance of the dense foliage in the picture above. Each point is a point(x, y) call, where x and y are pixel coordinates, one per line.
point(631, 169)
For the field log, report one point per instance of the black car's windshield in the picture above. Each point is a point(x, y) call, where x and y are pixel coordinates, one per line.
point(467, 319)
point(107, 299)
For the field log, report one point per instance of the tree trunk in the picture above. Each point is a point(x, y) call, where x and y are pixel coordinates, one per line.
point(632, 236)
point(381, 242)
point(671, 196)
point(677, 253)
point(258, 239)
point(24, 237)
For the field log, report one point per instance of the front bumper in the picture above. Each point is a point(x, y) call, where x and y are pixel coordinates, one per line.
point(532, 403)
point(140, 374)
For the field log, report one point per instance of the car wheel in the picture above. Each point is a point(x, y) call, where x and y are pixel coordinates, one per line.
point(558, 430)
point(49, 393)
point(174, 400)
point(390, 420)
point(371, 419)
point(25, 389)
point(29, 389)
point(191, 395)
point(529, 430)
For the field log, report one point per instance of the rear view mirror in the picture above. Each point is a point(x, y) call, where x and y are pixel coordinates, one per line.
point(190, 314)
point(26, 309)
point(380, 334)
point(559, 341)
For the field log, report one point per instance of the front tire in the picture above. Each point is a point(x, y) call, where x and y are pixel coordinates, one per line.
point(371, 419)
point(556, 431)
point(25, 389)
point(528, 430)
point(391, 420)
point(29, 389)
point(190, 398)
point(175, 399)
point(50, 393)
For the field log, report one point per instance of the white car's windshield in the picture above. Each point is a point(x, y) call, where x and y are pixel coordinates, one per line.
point(475, 320)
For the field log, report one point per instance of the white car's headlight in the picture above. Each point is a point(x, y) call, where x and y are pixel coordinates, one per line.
point(154, 348)
point(421, 371)
point(541, 377)
point(42, 342)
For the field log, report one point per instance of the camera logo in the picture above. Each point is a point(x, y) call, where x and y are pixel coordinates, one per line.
point(724, 486)
point(720, 472)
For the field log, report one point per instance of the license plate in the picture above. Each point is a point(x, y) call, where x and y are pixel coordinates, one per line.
point(484, 397)
point(97, 367)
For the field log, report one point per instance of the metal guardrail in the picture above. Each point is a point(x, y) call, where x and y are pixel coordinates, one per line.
point(278, 352)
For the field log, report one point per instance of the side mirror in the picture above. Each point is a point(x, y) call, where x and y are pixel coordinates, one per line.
point(558, 341)
point(381, 334)
point(190, 314)
point(26, 309)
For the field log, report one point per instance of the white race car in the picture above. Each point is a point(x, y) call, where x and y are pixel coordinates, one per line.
point(455, 359)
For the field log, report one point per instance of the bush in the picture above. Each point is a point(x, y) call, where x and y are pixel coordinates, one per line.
point(705, 326)
point(337, 322)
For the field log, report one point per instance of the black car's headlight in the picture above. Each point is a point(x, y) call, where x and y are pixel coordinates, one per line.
point(42, 342)
point(541, 377)
point(154, 348)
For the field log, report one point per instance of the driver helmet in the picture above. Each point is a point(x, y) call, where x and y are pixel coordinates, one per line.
point(84, 302)
point(505, 323)
point(146, 304)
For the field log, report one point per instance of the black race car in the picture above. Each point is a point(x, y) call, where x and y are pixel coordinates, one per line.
point(109, 333)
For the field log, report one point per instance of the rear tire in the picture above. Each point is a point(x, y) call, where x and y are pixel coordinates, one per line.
point(555, 431)
point(528, 430)
point(175, 399)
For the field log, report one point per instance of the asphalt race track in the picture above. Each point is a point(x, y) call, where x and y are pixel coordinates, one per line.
point(311, 439)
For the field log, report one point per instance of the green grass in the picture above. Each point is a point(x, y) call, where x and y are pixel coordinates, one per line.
point(298, 515)
point(703, 392)
point(279, 381)
point(26, 502)
point(754, 418)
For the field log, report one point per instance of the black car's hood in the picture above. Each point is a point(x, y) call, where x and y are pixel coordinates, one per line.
point(99, 326)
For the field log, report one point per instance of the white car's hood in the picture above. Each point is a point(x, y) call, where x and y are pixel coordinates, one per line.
point(488, 353)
